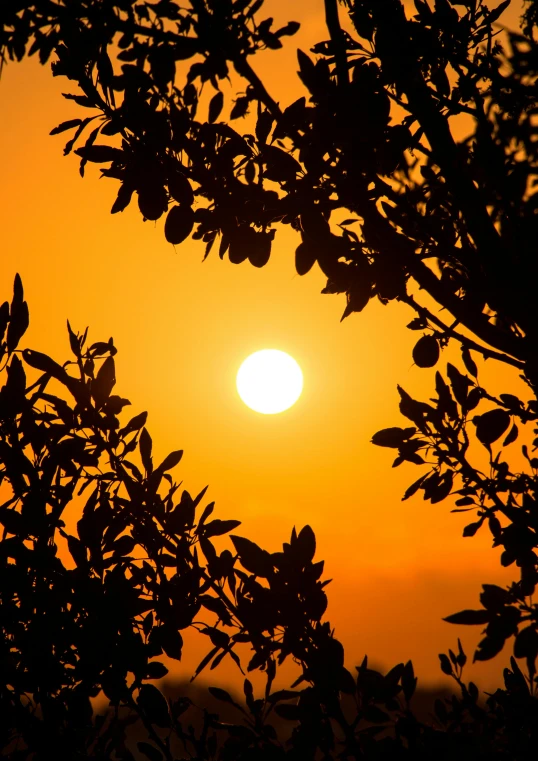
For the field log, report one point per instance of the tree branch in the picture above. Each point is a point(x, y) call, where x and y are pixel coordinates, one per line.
point(468, 342)
point(332, 22)
point(244, 69)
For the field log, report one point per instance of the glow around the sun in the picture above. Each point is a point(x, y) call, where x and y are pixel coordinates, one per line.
point(269, 381)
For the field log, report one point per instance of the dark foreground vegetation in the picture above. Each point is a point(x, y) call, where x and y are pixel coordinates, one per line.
point(409, 172)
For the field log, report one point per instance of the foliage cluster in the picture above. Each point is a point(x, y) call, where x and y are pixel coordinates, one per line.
point(92, 612)
point(408, 170)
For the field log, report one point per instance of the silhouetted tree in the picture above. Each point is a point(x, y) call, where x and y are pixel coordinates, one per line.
point(90, 613)
point(409, 171)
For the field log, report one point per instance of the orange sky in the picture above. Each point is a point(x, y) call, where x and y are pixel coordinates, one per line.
point(183, 327)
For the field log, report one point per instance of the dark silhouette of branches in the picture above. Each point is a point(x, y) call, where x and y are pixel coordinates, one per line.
point(88, 615)
point(408, 170)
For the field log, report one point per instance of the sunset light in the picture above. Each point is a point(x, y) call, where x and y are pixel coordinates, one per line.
point(269, 381)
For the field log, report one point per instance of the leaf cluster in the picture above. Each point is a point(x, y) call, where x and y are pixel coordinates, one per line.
point(95, 610)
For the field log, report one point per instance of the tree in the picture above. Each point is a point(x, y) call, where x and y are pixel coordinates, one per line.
point(95, 616)
point(388, 197)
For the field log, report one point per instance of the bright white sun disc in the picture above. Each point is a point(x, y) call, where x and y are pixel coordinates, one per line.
point(269, 381)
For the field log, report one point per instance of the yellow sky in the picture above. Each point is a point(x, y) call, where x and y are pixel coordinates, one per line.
point(183, 327)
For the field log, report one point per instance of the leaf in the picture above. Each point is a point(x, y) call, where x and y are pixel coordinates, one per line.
point(170, 640)
point(70, 124)
point(469, 362)
point(123, 199)
point(415, 486)
point(288, 712)
point(392, 437)
point(134, 424)
point(100, 154)
point(12, 521)
point(488, 648)
point(215, 107)
point(469, 617)
point(426, 351)
point(171, 461)
point(304, 546)
point(156, 670)
point(179, 224)
point(145, 445)
point(180, 188)
point(222, 695)
point(154, 705)
point(252, 557)
point(491, 425)
point(306, 255)
point(291, 28)
point(104, 382)
point(494, 14)
point(472, 528)
point(512, 435)
point(73, 341)
point(19, 316)
point(281, 166)
point(218, 527)
point(275, 697)
point(263, 126)
point(460, 384)
point(307, 71)
point(44, 363)
point(526, 644)
point(446, 666)
point(443, 488)
point(240, 108)
point(409, 681)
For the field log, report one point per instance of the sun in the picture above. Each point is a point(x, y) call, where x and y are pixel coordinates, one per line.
point(269, 381)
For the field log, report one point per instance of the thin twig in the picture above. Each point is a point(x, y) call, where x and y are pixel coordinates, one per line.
point(468, 342)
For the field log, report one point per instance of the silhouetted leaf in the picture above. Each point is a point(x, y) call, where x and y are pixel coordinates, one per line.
point(180, 189)
point(179, 224)
point(123, 199)
point(171, 641)
point(512, 435)
point(488, 648)
point(240, 108)
point(153, 202)
point(218, 527)
point(154, 705)
point(146, 445)
point(469, 617)
point(426, 351)
point(305, 545)
point(70, 124)
point(222, 695)
point(288, 711)
point(468, 361)
point(156, 670)
point(472, 528)
point(104, 382)
point(305, 257)
point(100, 153)
point(19, 316)
point(446, 666)
point(215, 107)
point(135, 424)
point(392, 437)
point(252, 557)
point(171, 461)
point(491, 425)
